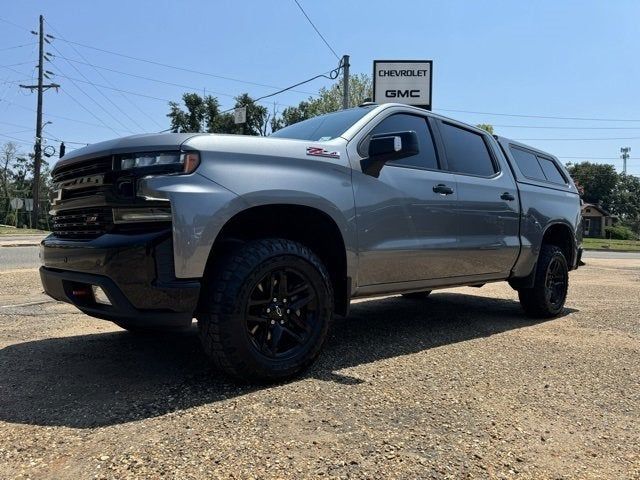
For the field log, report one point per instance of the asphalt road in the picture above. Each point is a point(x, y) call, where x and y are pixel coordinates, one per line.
point(14, 258)
point(27, 257)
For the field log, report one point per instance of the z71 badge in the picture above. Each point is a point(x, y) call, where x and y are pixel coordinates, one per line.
point(322, 152)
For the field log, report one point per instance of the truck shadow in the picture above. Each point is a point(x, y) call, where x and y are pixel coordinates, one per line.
point(111, 378)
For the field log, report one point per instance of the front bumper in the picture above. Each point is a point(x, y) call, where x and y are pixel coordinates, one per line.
point(134, 270)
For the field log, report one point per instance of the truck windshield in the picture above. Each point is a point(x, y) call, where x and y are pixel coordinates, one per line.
point(323, 127)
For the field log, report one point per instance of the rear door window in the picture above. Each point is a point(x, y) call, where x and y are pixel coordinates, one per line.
point(551, 171)
point(467, 152)
point(528, 164)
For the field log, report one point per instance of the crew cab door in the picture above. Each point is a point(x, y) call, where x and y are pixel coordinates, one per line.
point(406, 218)
point(488, 207)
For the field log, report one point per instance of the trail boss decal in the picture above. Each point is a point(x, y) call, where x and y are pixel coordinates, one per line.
point(322, 152)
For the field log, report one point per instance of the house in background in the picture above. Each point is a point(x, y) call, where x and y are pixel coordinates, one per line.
point(595, 219)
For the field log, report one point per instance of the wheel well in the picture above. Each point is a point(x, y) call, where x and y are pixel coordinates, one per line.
point(561, 236)
point(302, 224)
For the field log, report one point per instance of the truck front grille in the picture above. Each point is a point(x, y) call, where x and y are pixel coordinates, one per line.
point(95, 166)
point(83, 223)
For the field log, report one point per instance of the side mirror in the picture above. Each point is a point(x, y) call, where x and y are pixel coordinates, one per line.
point(388, 147)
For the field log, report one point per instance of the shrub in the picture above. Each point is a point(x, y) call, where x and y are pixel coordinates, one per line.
point(619, 232)
point(10, 219)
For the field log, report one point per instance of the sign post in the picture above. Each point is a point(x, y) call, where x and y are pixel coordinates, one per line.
point(403, 81)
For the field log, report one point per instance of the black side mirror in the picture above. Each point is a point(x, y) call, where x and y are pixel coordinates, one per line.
point(388, 147)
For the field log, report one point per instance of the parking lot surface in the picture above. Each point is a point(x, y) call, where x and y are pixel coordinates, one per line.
point(460, 385)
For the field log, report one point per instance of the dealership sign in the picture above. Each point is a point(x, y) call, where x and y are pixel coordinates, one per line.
point(403, 81)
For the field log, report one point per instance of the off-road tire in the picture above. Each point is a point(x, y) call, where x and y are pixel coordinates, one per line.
point(227, 298)
point(417, 295)
point(541, 301)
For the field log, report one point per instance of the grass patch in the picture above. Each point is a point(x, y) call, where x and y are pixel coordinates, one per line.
point(604, 244)
point(4, 230)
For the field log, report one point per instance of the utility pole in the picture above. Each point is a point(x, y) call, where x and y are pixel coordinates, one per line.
point(37, 149)
point(345, 82)
point(625, 156)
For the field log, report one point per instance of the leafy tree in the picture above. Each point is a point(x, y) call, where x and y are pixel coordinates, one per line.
point(202, 114)
point(598, 180)
point(625, 201)
point(190, 120)
point(7, 159)
point(16, 180)
point(486, 126)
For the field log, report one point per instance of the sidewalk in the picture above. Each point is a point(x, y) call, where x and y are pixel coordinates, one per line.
point(10, 240)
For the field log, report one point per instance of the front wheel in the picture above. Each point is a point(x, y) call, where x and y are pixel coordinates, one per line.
point(549, 292)
point(265, 310)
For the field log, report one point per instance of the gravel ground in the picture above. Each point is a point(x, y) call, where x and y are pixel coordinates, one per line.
point(457, 386)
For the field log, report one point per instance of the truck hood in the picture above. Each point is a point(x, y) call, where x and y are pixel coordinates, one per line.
point(331, 150)
point(240, 144)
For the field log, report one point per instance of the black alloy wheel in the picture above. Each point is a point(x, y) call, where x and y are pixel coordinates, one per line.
point(265, 309)
point(548, 295)
point(281, 313)
point(556, 283)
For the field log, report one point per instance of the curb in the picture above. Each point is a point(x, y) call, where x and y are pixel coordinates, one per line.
point(609, 250)
point(20, 245)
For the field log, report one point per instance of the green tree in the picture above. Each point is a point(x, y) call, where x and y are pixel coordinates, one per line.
point(191, 119)
point(486, 126)
point(7, 159)
point(625, 201)
point(598, 180)
point(202, 114)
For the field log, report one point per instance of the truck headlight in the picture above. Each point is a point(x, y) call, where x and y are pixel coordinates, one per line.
point(159, 162)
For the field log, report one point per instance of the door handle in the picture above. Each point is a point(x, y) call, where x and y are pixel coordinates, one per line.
point(507, 196)
point(442, 189)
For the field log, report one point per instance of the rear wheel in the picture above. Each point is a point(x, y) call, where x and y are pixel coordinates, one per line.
point(549, 292)
point(265, 310)
point(417, 295)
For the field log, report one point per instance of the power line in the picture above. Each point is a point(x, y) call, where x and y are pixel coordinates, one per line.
point(599, 158)
point(55, 139)
point(541, 116)
point(51, 115)
point(174, 67)
point(15, 125)
point(15, 24)
point(107, 80)
point(18, 46)
point(13, 82)
point(333, 74)
point(317, 31)
point(15, 139)
point(14, 64)
point(104, 96)
point(165, 100)
point(156, 80)
point(575, 139)
point(566, 128)
point(179, 85)
point(89, 111)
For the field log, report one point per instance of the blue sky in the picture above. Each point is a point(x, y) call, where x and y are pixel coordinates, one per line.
point(546, 58)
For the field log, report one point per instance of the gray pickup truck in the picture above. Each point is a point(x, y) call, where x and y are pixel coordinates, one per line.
point(264, 240)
